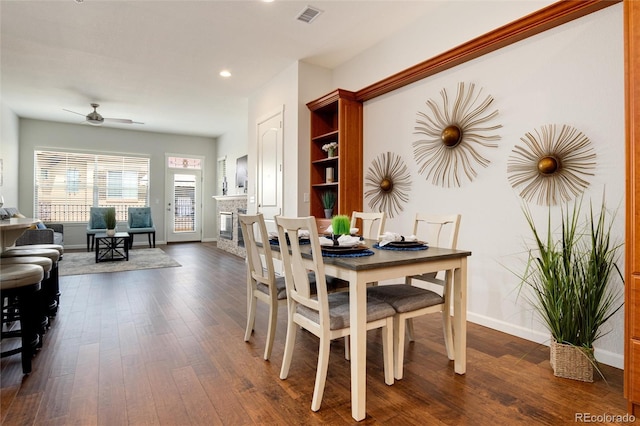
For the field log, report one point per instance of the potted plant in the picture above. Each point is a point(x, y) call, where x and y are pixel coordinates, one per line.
point(328, 202)
point(330, 149)
point(341, 225)
point(110, 221)
point(571, 278)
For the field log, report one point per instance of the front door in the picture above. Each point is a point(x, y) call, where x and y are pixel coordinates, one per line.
point(184, 205)
point(269, 179)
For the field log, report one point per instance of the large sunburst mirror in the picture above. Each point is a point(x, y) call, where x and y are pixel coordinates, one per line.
point(453, 135)
point(553, 164)
point(389, 181)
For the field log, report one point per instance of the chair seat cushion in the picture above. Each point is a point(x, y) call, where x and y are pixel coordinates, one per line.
point(141, 230)
point(280, 286)
point(405, 298)
point(339, 315)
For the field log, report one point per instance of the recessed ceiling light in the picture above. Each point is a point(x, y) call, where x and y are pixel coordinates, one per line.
point(267, 1)
point(225, 73)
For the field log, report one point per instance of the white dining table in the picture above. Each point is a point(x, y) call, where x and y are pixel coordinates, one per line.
point(392, 264)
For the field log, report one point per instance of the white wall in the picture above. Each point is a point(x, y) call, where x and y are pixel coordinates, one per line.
point(9, 155)
point(232, 144)
point(45, 134)
point(571, 75)
point(292, 88)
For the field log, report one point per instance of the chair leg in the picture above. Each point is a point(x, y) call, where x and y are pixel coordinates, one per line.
point(154, 239)
point(398, 346)
point(251, 315)
point(347, 348)
point(410, 329)
point(387, 351)
point(271, 330)
point(448, 332)
point(321, 373)
point(290, 342)
point(131, 240)
point(149, 237)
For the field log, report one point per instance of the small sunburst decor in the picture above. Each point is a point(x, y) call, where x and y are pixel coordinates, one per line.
point(453, 136)
point(552, 165)
point(389, 180)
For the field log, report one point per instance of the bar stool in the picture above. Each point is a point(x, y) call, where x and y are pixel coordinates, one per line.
point(58, 247)
point(50, 285)
point(46, 264)
point(22, 283)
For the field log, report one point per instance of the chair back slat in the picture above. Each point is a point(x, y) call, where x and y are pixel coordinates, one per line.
point(296, 270)
point(372, 224)
point(437, 230)
point(259, 259)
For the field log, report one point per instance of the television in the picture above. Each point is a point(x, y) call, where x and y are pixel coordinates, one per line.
point(241, 172)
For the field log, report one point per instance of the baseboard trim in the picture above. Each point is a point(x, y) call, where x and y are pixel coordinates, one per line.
point(602, 355)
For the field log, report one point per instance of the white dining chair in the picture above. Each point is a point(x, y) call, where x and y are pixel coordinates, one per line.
point(371, 224)
point(262, 282)
point(325, 315)
point(412, 299)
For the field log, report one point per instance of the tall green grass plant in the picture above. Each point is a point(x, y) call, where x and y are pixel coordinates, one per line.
point(572, 275)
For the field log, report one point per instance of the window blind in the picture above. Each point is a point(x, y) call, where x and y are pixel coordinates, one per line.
point(68, 184)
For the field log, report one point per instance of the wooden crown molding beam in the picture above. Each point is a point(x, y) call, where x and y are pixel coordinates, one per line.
point(552, 16)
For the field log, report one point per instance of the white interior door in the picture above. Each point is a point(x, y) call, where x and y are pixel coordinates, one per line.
point(269, 185)
point(184, 205)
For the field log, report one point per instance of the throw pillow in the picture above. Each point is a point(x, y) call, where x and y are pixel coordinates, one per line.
point(140, 220)
point(97, 220)
point(41, 225)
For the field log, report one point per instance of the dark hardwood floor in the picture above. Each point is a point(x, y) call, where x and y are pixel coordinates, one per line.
point(165, 346)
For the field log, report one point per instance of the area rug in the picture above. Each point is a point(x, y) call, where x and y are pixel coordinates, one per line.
point(85, 263)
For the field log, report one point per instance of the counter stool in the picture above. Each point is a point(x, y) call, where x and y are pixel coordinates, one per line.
point(58, 247)
point(50, 285)
point(45, 305)
point(22, 283)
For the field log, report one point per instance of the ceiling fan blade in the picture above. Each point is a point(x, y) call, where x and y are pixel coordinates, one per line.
point(68, 110)
point(122, 120)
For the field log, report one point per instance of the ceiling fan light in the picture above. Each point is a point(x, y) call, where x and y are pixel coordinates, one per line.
point(94, 122)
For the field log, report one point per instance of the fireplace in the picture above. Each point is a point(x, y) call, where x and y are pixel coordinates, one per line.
point(226, 225)
point(239, 229)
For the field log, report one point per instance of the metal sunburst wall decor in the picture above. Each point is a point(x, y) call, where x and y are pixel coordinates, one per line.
point(389, 180)
point(453, 136)
point(552, 165)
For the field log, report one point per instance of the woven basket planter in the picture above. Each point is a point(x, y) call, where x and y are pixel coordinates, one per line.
point(572, 362)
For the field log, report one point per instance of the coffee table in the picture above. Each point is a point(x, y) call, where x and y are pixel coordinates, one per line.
point(112, 248)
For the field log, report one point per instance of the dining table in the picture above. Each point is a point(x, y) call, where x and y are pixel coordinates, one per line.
point(385, 264)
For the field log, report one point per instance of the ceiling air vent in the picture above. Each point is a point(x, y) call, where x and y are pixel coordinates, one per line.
point(308, 14)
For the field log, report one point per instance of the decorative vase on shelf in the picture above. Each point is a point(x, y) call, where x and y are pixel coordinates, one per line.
point(331, 153)
point(328, 213)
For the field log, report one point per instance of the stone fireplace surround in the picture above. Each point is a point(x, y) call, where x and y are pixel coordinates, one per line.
point(231, 203)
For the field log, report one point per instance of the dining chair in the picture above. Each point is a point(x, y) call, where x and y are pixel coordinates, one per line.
point(262, 282)
point(410, 300)
point(325, 314)
point(371, 224)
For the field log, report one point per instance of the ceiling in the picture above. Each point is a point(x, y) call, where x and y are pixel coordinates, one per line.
point(157, 62)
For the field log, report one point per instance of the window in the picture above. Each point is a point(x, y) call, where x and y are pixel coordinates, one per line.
point(68, 184)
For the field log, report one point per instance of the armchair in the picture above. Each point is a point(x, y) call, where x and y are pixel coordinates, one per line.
point(96, 224)
point(141, 222)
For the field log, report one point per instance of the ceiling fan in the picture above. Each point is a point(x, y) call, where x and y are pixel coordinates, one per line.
point(95, 119)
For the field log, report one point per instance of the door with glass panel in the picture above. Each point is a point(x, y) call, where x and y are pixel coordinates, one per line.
point(184, 202)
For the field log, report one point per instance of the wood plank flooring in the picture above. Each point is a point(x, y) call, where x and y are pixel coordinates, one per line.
point(165, 346)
